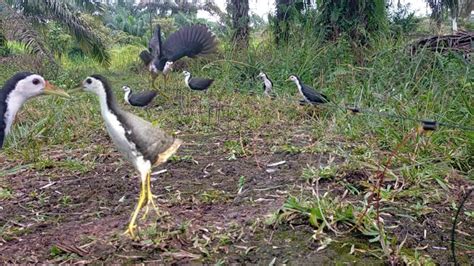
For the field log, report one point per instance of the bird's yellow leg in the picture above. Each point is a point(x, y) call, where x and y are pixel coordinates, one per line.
point(162, 93)
point(131, 226)
point(149, 197)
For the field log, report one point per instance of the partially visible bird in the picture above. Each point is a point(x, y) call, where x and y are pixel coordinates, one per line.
point(140, 99)
point(141, 143)
point(267, 85)
point(191, 41)
point(309, 94)
point(197, 84)
point(16, 91)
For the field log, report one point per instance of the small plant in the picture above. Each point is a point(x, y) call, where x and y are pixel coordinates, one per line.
point(185, 158)
point(288, 148)
point(241, 184)
point(311, 173)
point(234, 148)
point(5, 193)
point(214, 196)
point(66, 200)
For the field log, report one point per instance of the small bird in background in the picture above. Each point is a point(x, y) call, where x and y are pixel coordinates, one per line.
point(139, 99)
point(267, 85)
point(197, 84)
point(190, 41)
point(141, 143)
point(16, 91)
point(310, 95)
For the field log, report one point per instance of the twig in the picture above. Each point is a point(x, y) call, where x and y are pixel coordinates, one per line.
point(453, 230)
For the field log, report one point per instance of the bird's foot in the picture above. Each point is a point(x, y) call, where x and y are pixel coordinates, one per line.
point(131, 231)
point(151, 201)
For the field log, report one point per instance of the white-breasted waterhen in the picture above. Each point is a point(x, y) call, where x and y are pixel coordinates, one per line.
point(267, 85)
point(139, 99)
point(191, 41)
point(16, 91)
point(141, 143)
point(196, 84)
point(309, 94)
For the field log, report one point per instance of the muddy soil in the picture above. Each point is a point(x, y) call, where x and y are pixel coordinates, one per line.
point(69, 215)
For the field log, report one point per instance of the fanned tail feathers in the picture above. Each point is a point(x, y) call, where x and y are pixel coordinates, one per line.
point(190, 41)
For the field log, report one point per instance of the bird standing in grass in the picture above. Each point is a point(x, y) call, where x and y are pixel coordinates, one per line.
point(267, 85)
point(309, 94)
point(141, 143)
point(16, 91)
point(141, 99)
point(191, 41)
point(196, 84)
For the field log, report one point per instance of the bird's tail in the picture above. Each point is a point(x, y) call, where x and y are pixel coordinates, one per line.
point(190, 41)
point(146, 57)
point(163, 157)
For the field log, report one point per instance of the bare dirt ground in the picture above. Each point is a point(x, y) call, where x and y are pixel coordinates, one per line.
point(57, 215)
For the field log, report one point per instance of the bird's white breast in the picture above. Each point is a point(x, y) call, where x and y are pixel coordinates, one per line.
point(268, 85)
point(300, 89)
point(117, 134)
point(14, 102)
point(186, 80)
point(126, 96)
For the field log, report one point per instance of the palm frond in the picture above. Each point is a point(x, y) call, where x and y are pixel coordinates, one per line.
point(62, 12)
point(21, 30)
point(90, 6)
point(87, 39)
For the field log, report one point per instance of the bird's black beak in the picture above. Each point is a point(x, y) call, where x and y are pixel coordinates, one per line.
point(53, 90)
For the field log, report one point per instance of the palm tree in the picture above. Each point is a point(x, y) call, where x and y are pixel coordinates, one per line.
point(440, 7)
point(21, 29)
point(32, 12)
point(239, 13)
point(356, 18)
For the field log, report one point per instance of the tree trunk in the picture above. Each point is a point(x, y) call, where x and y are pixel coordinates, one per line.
point(465, 8)
point(281, 24)
point(239, 13)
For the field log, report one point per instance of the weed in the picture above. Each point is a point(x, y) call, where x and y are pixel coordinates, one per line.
point(5, 193)
point(241, 184)
point(214, 196)
point(311, 174)
point(66, 200)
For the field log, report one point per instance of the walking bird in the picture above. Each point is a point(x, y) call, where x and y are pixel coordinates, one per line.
point(267, 84)
point(197, 84)
point(141, 143)
point(140, 99)
point(16, 91)
point(191, 41)
point(309, 94)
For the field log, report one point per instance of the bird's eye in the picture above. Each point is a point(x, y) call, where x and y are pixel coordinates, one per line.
point(36, 81)
point(89, 81)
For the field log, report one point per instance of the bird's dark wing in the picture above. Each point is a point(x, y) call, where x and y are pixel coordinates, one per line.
point(200, 84)
point(154, 46)
point(142, 99)
point(150, 140)
point(314, 96)
point(189, 41)
point(146, 57)
point(3, 123)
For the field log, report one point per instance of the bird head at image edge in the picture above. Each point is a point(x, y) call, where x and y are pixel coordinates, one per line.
point(16, 91)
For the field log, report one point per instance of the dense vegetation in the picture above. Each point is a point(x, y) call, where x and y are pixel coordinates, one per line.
point(353, 187)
